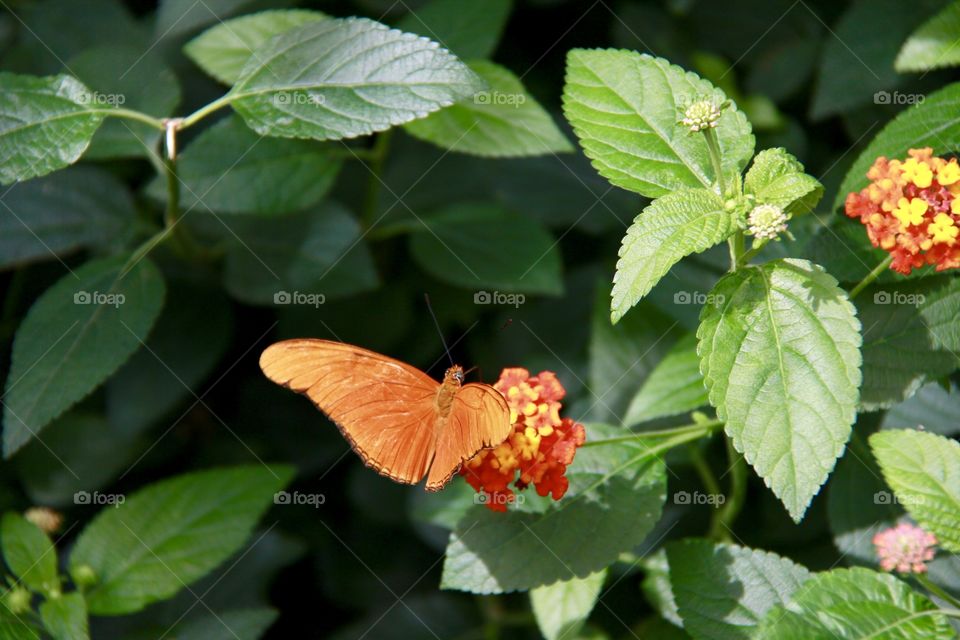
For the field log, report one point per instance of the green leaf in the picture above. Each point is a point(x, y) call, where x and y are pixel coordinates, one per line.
point(723, 591)
point(45, 124)
point(657, 589)
point(923, 469)
point(73, 338)
point(614, 500)
point(242, 624)
point(55, 215)
point(65, 617)
point(934, 44)
point(675, 385)
point(855, 604)
point(29, 554)
point(468, 29)
point(342, 78)
point(127, 77)
point(780, 354)
point(562, 607)
point(907, 338)
point(502, 122)
point(624, 108)
point(933, 123)
point(16, 628)
point(480, 245)
point(223, 50)
point(674, 226)
point(172, 533)
point(934, 408)
point(230, 169)
point(777, 178)
point(857, 59)
point(317, 252)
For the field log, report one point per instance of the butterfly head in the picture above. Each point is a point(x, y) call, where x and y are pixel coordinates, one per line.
point(454, 375)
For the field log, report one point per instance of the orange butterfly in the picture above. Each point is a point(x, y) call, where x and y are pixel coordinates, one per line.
point(397, 418)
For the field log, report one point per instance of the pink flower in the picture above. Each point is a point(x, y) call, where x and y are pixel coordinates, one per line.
point(905, 548)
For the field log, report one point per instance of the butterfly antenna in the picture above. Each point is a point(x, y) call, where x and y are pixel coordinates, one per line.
point(437, 325)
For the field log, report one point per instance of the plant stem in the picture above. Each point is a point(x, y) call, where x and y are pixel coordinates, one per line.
point(681, 435)
point(873, 275)
point(736, 244)
point(130, 114)
point(722, 524)
point(378, 158)
point(713, 145)
point(755, 248)
point(703, 470)
point(206, 110)
point(937, 591)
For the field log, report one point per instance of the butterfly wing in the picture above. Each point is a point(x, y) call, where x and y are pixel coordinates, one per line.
point(479, 417)
point(386, 409)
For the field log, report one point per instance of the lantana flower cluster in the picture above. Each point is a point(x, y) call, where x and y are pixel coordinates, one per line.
point(539, 449)
point(905, 548)
point(912, 210)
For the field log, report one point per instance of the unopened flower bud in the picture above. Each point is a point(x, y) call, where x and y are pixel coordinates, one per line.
point(45, 518)
point(701, 114)
point(17, 600)
point(84, 576)
point(766, 222)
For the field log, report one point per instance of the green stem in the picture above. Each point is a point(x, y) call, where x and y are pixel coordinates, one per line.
point(703, 470)
point(378, 158)
point(206, 110)
point(713, 145)
point(737, 247)
point(130, 114)
point(873, 275)
point(722, 524)
point(937, 591)
point(677, 436)
point(755, 248)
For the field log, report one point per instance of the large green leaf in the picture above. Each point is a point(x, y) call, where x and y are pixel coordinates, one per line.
point(317, 252)
point(73, 338)
point(855, 604)
point(674, 386)
point(723, 591)
point(45, 124)
point(671, 227)
point(933, 123)
point(923, 469)
point(230, 169)
point(468, 29)
point(342, 78)
point(223, 50)
point(71, 209)
point(780, 354)
point(934, 44)
point(28, 553)
point(614, 500)
point(480, 246)
point(777, 178)
point(562, 607)
point(65, 617)
point(172, 533)
point(624, 107)
point(503, 121)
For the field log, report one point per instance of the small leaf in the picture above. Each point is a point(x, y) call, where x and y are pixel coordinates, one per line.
point(624, 107)
point(172, 533)
point(78, 207)
point(723, 591)
point(28, 553)
point(231, 169)
point(563, 607)
point(468, 29)
point(674, 226)
point(934, 44)
point(45, 124)
point(780, 354)
point(923, 469)
point(615, 497)
point(223, 50)
point(675, 385)
point(777, 178)
point(74, 337)
point(855, 604)
point(65, 617)
point(479, 246)
point(504, 121)
point(342, 78)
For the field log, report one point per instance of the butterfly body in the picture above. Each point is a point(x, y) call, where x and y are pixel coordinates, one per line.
point(399, 420)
